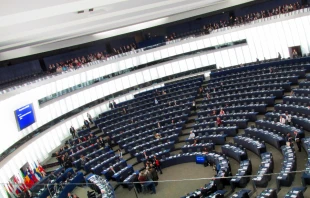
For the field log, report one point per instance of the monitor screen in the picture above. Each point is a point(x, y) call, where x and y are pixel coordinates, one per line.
point(25, 116)
point(200, 159)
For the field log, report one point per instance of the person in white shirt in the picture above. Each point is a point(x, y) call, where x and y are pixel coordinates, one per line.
point(156, 101)
point(282, 120)
point(288, 118)
point(194, 105)
point(119, 153)
point(191, 135)
point(112, 169)
point(89, 118)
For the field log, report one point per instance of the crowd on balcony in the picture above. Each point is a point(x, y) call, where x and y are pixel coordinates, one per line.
point(75, 63)
point(248, 18)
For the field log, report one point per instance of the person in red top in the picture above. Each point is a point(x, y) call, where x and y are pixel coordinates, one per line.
point(195, 142)
point(142, 178)
point(157, 165)
point(146, 183)
point(222, 112)
point(218, 121)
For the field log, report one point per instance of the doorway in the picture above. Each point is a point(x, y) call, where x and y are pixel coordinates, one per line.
point(295, 51)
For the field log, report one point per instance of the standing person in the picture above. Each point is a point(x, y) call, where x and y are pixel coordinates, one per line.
point(110, 105)
point(90, 118)
point(119, 154)
point(86, 123)
point(145, 183)
point(73, 132)
point(114, 104)
point(288, 139)
point(194, 105)
point(295, 54)
point(282, 120)
point(157, 164)
point(288, 117)
point(59, 159)
point(297, 140)
point(153, 174)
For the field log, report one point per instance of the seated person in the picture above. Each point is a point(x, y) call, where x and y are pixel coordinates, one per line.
point(111, 169)
point(208, 96)
point(102, 143)
point(69, 175)
point(80, 148)
point(218, 121)
point(191, 135)
point(84, 160)
point(205, 150)
point(157, 136)
point(282, 120)
point(288, 118)
point(195, 142)
point(222, 112)
point(68, 162)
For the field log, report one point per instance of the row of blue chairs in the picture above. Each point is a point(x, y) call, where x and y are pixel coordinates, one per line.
point(263, 71)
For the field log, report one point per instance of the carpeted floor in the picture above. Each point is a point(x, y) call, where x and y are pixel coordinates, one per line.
point(175, 188)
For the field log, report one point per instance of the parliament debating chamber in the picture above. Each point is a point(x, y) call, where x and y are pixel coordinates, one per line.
point(155, 98)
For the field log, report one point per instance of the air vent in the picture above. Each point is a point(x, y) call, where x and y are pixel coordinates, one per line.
point(80, 12)
point(91, 9)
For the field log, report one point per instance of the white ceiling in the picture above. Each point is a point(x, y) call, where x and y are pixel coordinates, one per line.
point(34, 26)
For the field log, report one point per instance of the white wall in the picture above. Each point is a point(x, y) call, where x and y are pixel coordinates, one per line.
point(263, 41)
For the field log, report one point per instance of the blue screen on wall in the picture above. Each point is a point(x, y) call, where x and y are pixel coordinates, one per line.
point(25, 116)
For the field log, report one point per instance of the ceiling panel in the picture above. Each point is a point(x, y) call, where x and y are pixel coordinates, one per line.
point(58, 20)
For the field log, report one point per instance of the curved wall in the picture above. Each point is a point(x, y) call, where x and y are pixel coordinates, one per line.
point(264, 40)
